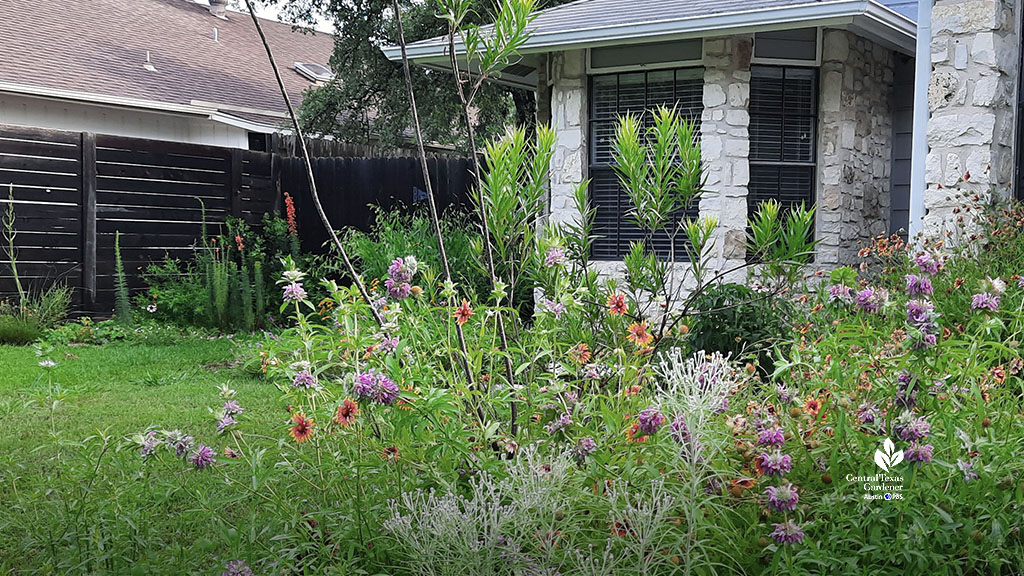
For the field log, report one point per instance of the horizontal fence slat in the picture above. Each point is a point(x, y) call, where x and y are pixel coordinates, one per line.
point(116, 156)
point(112, 184)
point(39, 179)
point(161, 173)
point(160, 200)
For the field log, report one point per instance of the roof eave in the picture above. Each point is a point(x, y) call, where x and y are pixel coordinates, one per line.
point(891, 25)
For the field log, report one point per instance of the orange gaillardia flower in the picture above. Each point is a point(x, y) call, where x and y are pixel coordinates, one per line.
point(347, 413)
point(303, 428)
point(581, 353)
point(617, 304)
point(639, 335)
point(463, 313)
point(390, 453)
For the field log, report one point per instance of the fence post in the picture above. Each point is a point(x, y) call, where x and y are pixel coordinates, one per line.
point(88, 243)
point(235, 183)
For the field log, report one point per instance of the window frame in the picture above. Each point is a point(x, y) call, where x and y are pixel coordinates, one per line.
point(789, 62)
point(594, 167)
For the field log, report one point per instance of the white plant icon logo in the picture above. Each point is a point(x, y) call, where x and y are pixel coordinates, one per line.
point(890, 457)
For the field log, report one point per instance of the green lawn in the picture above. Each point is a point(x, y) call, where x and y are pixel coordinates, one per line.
point(69, 505)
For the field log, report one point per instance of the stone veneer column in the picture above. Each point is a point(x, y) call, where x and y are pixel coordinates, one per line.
point(568, 119)
point(854, 146)
point(725, 144)
point(971, 96)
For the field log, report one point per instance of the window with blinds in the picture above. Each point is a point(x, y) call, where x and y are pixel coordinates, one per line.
point(783, 126)
point(612, 95)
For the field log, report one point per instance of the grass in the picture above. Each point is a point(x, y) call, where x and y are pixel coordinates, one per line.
point(76, 496)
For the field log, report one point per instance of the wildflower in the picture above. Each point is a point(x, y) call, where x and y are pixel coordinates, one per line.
point(149, 444)
point(179, 442)
point(679, 431)
point(775, 463)
point(840, 293)
point(918, 453)
point(558, 423)
point(302, 429)
point(771, 437)
point(463, 313)
point(639, 335)
point(555, 257)
point(239, 243)
point(906, 427)
point(305, 380)
point(229, 452)
point(347, 412)
point(554, 308)
point(919, 285)
point(398, 290)
point(236, 568)
point(788, 532)
point(151, 308)
point(967, 467)
point(996, 284)
point(782, 498)
point(203, 457)
point(1020, 282)
point(649, 420)
point(785, 393)
point(985, 300)
point(47, 364)
point(581, 353)
point(225, 422)
point(867, 413)
point(231, 408)
point(921, 315)
point(388, 345)
point(371, 385)
point(927, 263)
point(294, 292)
point(403, 269)
point(633, 434)
point(592, 372)
point(390, 453)
point(289, 204)
point(584, 447)
point(617, 304)
point(812, 405)
point(870, 300)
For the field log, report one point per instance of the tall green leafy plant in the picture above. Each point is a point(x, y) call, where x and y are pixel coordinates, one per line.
point(122, 302)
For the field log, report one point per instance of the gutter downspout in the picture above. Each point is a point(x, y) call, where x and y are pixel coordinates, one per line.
point(922, 77)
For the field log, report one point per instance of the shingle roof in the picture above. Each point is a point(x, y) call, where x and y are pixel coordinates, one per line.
point(612, 21)
point(99, 47)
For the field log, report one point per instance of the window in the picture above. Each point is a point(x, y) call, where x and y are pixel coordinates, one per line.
point(787, 46)
point(612, 95)
point(314, 72)
point(783, 123)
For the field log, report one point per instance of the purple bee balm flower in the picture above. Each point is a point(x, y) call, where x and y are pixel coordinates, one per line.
point(376, 387)
point(649, 420)
point(584, 447)
point(231, 408)
point(771, 437)
point(919, 454)
point(920, 314)
point(679, 431)
point(181, 443)
point(985, 300)
point(558, 423)
point(388, 345)
point(870, 300)
point(203, 457)
point(840, 293)
point(225, 423)
point(927, 263)
point(149, 444)
point(783, 497)
point(967, 467)
point(556, 309)
point(304, 380)
point(398, 290)
point(1020, 282)
point(555, 257)
point(294, 292)
point(788, 532)
point(907, 427)
point(867, 413)
point(924, 341)
point(919, 285)
point(236, 568)
point(785, 393)
point(776, 463)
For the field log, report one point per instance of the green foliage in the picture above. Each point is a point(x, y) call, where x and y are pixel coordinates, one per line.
point(739, 322)
point(122, 303)
point(19, 330)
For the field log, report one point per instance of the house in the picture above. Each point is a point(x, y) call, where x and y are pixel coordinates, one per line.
point(159, 69)
point(796, 100)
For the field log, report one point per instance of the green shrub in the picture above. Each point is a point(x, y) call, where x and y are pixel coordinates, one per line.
point(17, 330)
point(735, 320)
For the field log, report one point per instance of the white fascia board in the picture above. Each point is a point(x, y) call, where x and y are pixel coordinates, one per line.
point(836, 12)
point(248, 125)
point(116, 101)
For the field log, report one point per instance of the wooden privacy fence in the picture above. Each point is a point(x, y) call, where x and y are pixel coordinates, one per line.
point(74, 191)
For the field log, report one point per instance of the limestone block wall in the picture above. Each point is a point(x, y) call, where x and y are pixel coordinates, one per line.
point(971, 97)
point(569, 121)
point(854, 145)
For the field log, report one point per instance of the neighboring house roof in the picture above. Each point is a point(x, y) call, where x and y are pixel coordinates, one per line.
point(588, 23)
point(95, 50)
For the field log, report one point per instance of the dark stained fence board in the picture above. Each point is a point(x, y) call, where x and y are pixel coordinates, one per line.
point(74, 191)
